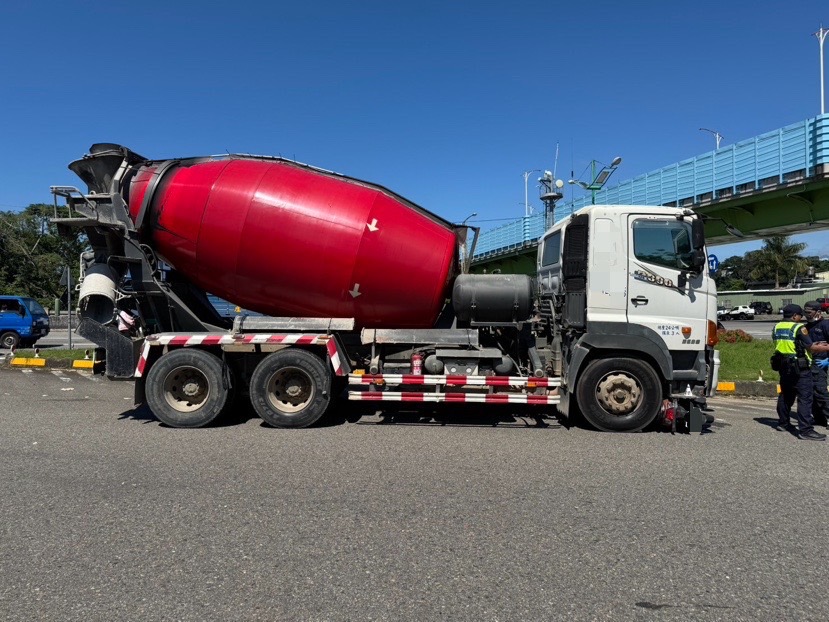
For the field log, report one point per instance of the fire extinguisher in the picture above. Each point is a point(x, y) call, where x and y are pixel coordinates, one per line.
point(417, 364)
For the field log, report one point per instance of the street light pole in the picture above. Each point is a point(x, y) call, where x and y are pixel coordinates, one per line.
point(526, 195)
point(599, 179)
point(593, 186)
point(821, 36)
point(717, 135)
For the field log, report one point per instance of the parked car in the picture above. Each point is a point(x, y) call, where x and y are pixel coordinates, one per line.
point(722, 313)
point(22, 321)
point(762, 308)
point(741, 312)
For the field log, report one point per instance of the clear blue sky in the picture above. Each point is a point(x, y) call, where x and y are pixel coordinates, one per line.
point(446, 103)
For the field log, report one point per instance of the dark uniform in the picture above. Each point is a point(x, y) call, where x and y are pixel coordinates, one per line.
point(791, 345)
point(818, 331)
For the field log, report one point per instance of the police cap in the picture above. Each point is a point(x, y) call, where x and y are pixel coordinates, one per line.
point(812, 304)
point(790, 310)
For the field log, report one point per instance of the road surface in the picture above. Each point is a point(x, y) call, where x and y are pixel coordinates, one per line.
point(109, 515)
point(59, 338)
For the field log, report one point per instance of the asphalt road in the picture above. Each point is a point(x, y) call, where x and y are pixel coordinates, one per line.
point(59, 338)
point(759, 329)
point(108, 515)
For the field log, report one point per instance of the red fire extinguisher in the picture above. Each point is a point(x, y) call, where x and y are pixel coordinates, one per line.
point(417, 364)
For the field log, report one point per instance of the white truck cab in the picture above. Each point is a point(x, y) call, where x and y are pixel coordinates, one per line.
point(628, 290)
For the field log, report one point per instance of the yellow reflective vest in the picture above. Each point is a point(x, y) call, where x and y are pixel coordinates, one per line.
point(785, 336)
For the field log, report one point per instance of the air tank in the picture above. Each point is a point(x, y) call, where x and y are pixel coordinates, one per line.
point(286, 239)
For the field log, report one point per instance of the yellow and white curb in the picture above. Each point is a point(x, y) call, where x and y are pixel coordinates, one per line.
point(28, 362)
point(731, 387)
point(38, 361)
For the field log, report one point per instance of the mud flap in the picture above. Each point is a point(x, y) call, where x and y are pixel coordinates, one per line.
point(121, 352)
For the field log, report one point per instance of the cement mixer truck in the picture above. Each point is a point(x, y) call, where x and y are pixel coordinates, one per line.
point(366, 296)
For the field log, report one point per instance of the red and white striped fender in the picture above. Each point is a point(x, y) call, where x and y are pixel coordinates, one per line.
point(225, 339)
point(469, 398)
point(454, 380)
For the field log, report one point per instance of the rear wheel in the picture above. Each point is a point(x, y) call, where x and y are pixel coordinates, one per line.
point(742, 316)
point(9, 340)
point(619, 395)
point(186, 388)
point(291, 388)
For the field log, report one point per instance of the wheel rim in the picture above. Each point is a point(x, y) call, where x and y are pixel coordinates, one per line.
point(290, 390)
point(618, 394)
point(186, 389)
point(8, 342)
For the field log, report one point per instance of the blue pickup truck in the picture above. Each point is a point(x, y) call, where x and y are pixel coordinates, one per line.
point(22, 322)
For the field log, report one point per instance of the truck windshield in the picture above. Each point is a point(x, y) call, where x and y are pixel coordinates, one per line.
point(34, 306)
point(663, 242)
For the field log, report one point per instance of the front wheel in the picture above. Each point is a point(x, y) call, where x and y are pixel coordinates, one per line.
point(619, 395)
point(291, 388)
point(186, 388)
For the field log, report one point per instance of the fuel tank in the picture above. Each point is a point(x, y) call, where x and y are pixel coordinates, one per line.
point(287, 239)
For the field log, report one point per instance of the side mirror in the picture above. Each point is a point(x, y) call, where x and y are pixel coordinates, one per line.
point(697, 234)
point(699, 260)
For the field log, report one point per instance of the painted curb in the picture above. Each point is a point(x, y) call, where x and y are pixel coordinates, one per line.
point(31, 362)
point(28, 362)
point(746, 388)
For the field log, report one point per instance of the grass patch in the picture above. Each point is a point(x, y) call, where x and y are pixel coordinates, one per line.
point(55, 355)
point(743, 361)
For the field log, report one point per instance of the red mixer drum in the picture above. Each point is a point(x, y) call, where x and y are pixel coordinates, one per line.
point(286, 239)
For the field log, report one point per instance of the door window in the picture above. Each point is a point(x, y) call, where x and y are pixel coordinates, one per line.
point(663, 242)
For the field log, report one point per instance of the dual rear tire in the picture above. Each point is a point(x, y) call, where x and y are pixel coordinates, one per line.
point(291, 388)
point(187, 388)
point(190, 388)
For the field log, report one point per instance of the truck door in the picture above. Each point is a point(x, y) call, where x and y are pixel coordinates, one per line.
point(662, 294)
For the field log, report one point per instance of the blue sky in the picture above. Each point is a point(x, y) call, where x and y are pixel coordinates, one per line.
point(446, 103)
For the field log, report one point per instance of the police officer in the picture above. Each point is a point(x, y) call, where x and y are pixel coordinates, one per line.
point(793, 347)
point(818, 328)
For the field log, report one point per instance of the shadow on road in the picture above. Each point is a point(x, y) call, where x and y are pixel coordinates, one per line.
point(469, 415)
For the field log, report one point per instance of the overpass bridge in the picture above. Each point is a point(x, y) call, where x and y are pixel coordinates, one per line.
point(774, 183)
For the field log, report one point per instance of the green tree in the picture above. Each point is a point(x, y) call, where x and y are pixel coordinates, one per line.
point(732, 274)
point(33, 255)
point(778, 259)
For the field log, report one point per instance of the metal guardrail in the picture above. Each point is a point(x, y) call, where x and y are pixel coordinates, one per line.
point(782, 156)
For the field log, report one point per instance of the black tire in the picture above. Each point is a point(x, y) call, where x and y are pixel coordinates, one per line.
point(742, 316)
point(720, 325)
point(9, 340)
point(619, 395)
point(186, 388)
point(291, 388)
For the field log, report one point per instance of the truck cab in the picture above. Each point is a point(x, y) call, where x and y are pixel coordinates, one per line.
point(631, 311)
point(22, 321)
